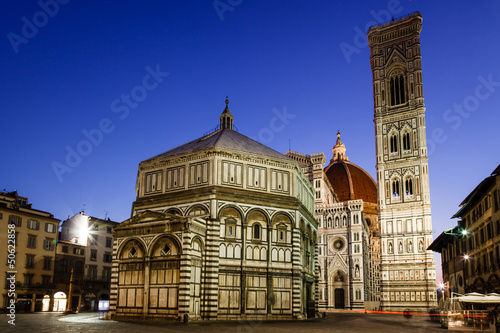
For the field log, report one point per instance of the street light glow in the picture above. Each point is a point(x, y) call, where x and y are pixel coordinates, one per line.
point(466, 257)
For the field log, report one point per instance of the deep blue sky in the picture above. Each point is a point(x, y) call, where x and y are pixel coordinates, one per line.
point(266, 55)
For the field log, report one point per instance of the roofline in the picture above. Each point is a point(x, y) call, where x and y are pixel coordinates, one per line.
point(478, 191)
point(284, 159)
point(397, 21)
point(443, 239)
point(496, 172)
point(215, 147)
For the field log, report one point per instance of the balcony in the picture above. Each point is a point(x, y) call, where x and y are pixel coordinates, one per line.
point(35, 286)
point(98, 278)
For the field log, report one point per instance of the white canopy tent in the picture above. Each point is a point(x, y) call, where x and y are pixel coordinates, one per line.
point(492, 298)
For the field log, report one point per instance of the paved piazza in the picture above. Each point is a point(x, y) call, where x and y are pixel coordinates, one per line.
point(334, 322)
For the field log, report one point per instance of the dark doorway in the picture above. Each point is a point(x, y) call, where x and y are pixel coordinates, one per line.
point(74, 303)
point(339, 298)
point(310, 304)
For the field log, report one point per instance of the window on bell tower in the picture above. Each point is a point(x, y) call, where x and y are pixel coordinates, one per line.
point(394, 144)
point(409, 187)
point(397, 84)
point(395, 188)
point(406, 141)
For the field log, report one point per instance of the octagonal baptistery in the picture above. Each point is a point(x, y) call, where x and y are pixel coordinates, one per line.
point(222, 228)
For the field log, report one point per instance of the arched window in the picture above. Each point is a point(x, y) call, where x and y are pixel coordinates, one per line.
point(78, 267)
point(397, 89)
point(256, 231)
point(395, 188)
point(406, 141)
point(63, 265)
point(394, 144)
point(409, 186)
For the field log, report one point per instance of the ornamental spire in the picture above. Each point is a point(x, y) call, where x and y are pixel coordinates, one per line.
point(339, 150)
point(226, 118)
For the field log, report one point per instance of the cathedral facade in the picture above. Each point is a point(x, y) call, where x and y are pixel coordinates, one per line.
point(223, 227)
point(408, 279)
point(348, 245)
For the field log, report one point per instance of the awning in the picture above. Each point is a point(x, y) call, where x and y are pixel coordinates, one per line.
point(480, 298)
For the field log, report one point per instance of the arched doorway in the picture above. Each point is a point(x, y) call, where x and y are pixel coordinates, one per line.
point(338, 288)
point(46, 303)
point(339, 298)
point(90, 302)
point(59, 301)
point(103, 302)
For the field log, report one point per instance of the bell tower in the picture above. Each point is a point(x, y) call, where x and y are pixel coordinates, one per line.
point(407, 270)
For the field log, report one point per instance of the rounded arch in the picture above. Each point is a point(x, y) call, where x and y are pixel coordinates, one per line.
point(163, 245)
point(230, 211)
point(197, 240)
point(103, 294)
point(132, 247)
point(282, 217)
point(314, 238)
point(257, 214)
point(173, 211)
point(302, 226)
point(197, 210)
point(309, 231)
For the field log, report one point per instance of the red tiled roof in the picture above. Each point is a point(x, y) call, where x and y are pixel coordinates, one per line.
point(351, 182)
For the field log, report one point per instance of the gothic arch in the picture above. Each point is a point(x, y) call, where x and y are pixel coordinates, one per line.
point(408, 184)
point(395, 186)
point(394, 138)
point(406, 138)
point(338, 275)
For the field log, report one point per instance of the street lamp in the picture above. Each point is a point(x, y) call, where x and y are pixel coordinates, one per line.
point(442, 286)
point(467, 259)
point(457, 231)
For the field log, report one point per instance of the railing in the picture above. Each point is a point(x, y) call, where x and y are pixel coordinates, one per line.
point(98, 277)
point(33, 286)
point(213, 130)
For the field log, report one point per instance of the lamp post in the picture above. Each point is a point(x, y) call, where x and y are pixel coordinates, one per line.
point(68, 304)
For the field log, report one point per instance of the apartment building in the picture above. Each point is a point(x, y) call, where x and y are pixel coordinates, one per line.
point(27, 243)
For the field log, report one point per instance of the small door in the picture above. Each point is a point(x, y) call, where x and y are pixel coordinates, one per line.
point(339, 298)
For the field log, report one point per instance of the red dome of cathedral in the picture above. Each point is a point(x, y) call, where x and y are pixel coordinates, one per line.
point(349, 181)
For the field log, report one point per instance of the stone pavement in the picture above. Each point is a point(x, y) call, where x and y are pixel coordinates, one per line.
point(334, 322)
